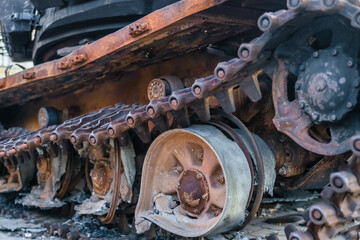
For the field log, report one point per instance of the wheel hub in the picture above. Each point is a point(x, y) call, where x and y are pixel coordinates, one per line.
point(326, 96)
point(193, 191)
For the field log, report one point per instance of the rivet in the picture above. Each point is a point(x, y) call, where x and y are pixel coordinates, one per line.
point(316, 54)
point(350, 63)
point(315, 117)
point(333, 117)
point(334, 52)
point(349, 105)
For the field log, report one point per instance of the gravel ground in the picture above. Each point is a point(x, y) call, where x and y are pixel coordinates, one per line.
point(18, 222)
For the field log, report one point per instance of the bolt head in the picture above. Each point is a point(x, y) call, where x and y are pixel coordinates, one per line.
point(294, 3)
point(220, 73)
point(315, 54)
point(315, 116)
point(197, 90)
point(334, 52)
point(130, 121)
point(245, 53)
point(357, 144)
point(316, 214)
point(338, 182)
point(151, 111)
point(265, 22)
point(111, 132)
point(349, 105)
point(350, 63)
point(174, 102)
point(333, 117)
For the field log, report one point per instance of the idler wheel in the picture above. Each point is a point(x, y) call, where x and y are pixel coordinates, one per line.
point(195, 182)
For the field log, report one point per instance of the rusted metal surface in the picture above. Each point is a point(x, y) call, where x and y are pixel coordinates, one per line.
point(201, 181)
point(121, 52)
point(337, 216)
point(192, 166)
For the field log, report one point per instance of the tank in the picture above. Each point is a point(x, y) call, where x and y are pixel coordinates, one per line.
point(183, 113)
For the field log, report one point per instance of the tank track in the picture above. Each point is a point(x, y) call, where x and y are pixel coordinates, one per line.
point(113, 122)
point(337, 215)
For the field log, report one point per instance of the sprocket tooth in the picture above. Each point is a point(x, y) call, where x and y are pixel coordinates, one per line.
point(181, 116)
point(202, 109)
point(250, 86)
point(143, 133)
point(226, 100)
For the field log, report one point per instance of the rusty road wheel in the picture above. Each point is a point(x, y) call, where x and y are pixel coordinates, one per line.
point(195, 182)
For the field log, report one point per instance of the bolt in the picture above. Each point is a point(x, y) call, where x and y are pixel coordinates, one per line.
point(198, 176)
point(130, 121)
point(349, 105)
point(265, 22)
point(111, 131)
point(220, 73)
point(197, 90)
point(245, 53)
point(205, 197)
point(302, 67)
point(151, 110)
point(315, 116)
point(338, 182)
point(174, 102)
point(73, 139)
point(294, 3)
point(329, 3)
point(92, 140)
point(315, 54)
point(297, 86)
point(334, 52)
point(316, 214)
point(54, 137)
point(357, 144)
point(333, 117)
point(350, 63)
point(302, 105)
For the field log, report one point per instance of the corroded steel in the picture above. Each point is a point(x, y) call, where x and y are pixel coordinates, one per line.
point(120, 51)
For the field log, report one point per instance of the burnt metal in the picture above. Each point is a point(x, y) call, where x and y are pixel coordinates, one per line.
point(328, 96)
point(48, 116)
point(192, 187)
point(124, 50)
